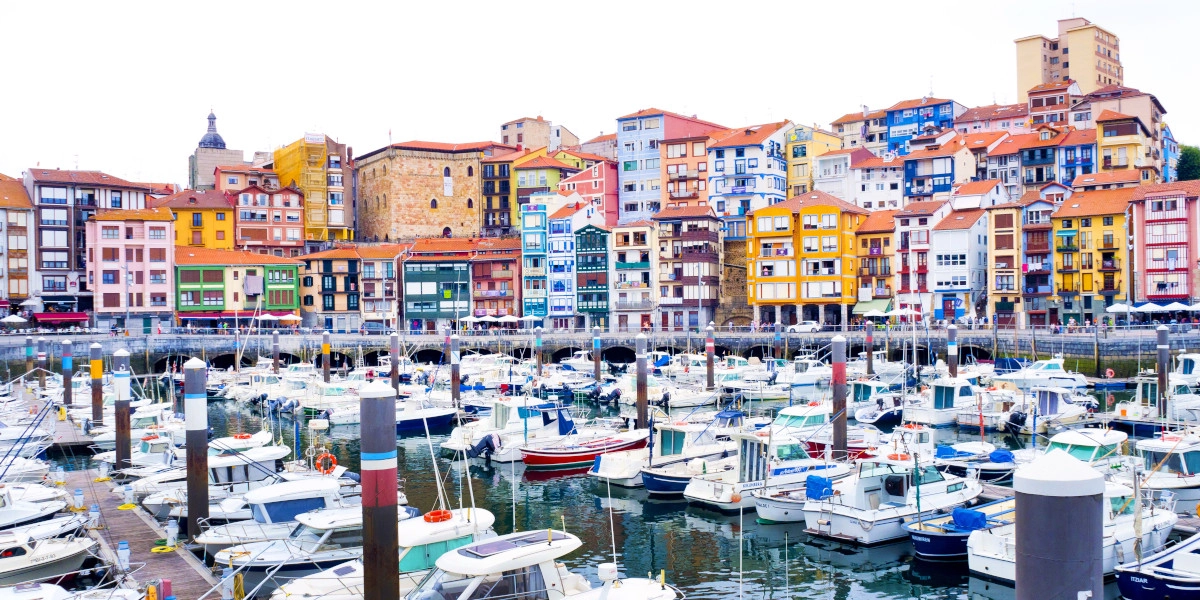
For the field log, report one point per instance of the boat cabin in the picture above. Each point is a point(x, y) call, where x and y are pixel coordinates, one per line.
point(727, 420)
point(803, 415)
point(731, 361)
point(422, 542)
point(760, 454)
point(804, 365)
point(301, 369)
point(1171, 453)
point(861, 391)
point(948, 393)
point(1089, 445)
point(282, 502)
point(674, 437)
point(518, 565)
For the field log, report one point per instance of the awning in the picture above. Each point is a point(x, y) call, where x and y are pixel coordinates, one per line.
point(881, 305)
point(4, 304)
point(63, 317)
point(229, 314)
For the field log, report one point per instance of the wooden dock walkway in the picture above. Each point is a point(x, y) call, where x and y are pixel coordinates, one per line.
point(190, 578)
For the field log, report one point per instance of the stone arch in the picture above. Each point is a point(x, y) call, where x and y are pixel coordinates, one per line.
point(618, 354)
point(564, 352)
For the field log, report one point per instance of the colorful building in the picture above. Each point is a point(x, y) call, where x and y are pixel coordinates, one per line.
point(934, 164)
point(866, 129)
point(685, 168)
point(561, 259)
point(689, 266)
point(1009, 118)
point(536, 133)
point(1124, 143)
point(1076, 155)
point(748, 172)
point(321, 169)
point(1046, 60)
point(233, 287)
point(16, 218)
point(596, 184)
point(380, 283)
point(914, 226)
point(129, 264)
point(499, 191)
point(233, 178)
point(269, 221)
point(593, 246)
point(202, 218)
point(805, 143)
point(913, 118)
point(831, 171)
point(801, 260)
point(534, 230)
point(1050, 102)
point(1091, 255)
point(329, 290)
point(1163, 230)
point(958, 271)
point(437, 284)
point(634, 276)
point(877, 182)
point(875, 254)
point(638, 158)
point(496, 277)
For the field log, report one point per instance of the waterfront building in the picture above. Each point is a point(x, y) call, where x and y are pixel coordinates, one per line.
point(908, 119)
point(322, 169)
point(804, 144)
point(437, 284)
point(597, 185)
point(958, 271)
point(934, 164)
point(269, 221)
point(379, 265)
point(639, 135)
point(534, 251)
point(16, 219)
point(234, 287)
point(329, 290)
point(1163, 228)
point(748, 172)
point(496, 277)
point(875, 253)
point(233, 178)
point(129, 267)
point(1091, 254)
point(561, 259)
point(209, 154)
point(914, 224)
point(634, 275)
point(593, 273)
point(203, 218)
point(1097, 53)
point(689, 266)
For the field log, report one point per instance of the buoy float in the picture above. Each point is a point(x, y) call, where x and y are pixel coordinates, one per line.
point(325, 463)
point(1109, 373)
point(437, 516)
point(898, 457)
point(149, 437)
point(735, 498)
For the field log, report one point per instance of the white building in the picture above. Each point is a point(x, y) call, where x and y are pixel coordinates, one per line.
point(914, 224)
point(831, 171)
point(979, 194)
point(560, 257)
point(748, 171)
point(958, 271)
point(877, 183)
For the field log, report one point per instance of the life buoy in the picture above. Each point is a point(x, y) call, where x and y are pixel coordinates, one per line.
point(898, 457)
point(437, 516)
point(241, 436)
point(1109, 373)
point(325, 463)
point(149, 437)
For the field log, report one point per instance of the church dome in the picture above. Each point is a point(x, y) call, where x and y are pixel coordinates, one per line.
point(212, 139)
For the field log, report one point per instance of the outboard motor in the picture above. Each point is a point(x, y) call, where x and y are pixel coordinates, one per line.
point(595, 393)
point(464, 379)
point(666, 399)
point(485, 447)
point(87, 426)
point(1016, 420)
point(614, 395)
point(771, 379)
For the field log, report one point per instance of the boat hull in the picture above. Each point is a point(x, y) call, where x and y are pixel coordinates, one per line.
point(940, 545)
point(567, 458)
point(664, 485)
point(435, 422)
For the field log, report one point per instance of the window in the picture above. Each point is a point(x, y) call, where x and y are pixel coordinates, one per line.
point(108, 233)
point(214, 298)
point(327, 302)
point(220, 216)
point(116, 200)
point(53, 239)
point(158, 255)
point(58, 216)
point(433, 203)
point(54, 283)
point(158, 233)
point(158, 277)
point(1108, 221)
point(197, 219)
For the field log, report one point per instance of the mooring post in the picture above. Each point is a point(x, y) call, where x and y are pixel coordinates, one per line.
point(952, 350)
point(1096, 346)
point(96, 366)
point(377, 407)
point(195, 409)
point(710, 350)
point(778, 342)
point(275, 352)
point(122, 384)
point(28, 354)
point(537, 348)
point(1164, 367)
point(42, 363)
point(642, 403)
point(838, 350)
point(596, 354)
point(394, 351)
point(325, 355)
point(870, 349)
point(455, 381)
point(67, 376)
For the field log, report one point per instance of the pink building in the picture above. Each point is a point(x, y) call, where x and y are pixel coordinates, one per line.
point(1165, 241)
point(598, 185)
point(1013, 118)
point(131, 267)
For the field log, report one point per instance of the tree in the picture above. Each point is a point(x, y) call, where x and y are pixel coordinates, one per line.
point(1189, 163)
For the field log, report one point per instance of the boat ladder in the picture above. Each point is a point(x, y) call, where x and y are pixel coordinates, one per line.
point(825, 517)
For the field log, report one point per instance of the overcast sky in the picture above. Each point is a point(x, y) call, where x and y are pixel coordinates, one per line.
point(127, 90)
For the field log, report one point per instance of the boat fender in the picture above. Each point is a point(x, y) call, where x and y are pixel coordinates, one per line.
point(1109, 373)
point(898, 456)
point(735, 498)
point(814, 403)
point(352, 476)
point(241, 436)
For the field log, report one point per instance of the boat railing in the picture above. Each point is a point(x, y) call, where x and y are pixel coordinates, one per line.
point(269, 574)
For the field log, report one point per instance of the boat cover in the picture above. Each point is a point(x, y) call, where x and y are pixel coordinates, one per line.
point(1001, 456)
point(818, 488)
point(969, 520)
point(949, 452)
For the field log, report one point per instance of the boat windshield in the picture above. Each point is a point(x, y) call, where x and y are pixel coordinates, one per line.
point(1085, 453)
point(799, 420)
point(1121, 505)
point(305, 533)
point(1173, 462)
point(526, 582)
point(876, 469)
point(791, 452)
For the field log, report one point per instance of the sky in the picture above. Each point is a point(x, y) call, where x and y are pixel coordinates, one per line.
point(126, 87)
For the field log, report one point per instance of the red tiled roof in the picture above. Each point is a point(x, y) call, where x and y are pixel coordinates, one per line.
point(1079, 137)
point(879, 221)
point(544, 162)
point(443, 147)
point(133, 214)
point(602, 138)
point(684, 212)
point(960, 219)
point(208, 256)
point(844, 151)
point(4, 177)
point(1096, 202)
point(649, 112)
point(504, 243)
point(951, 147)
point(159, 188)
point(975, 188)
point(1112, 115)
point(637, 223)
point(195, 199)
point(539, 118)
point(442, 245)
point(752, 135)
point(994, 111)
point(855, 117)
point(332, 254)
point(585, 155)
point(982, 139)
point(1107, 178)
point(13, 194)
point(818, 198)
point(924, 208)
point(245, 169)
point(1051, 86)
point(1017, 143)
point(96, 178)
point(916, 103)
point(1187, 188)
point(389, 251)
point(507, 156)
point(568, 210)
point(878, 162)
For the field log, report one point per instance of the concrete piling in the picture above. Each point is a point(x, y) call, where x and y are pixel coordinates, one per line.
point(195, 408)
point(96, 366)
point(275, 352)
point(122, 384)
point(455, 371)
point(710, 350)
point(67, 376)
point(537, 348)
point(870, 349)
point(41, 356)
point(838, 350)
point(642, 375)
point(377, 407)
point(596, 354)
point(394, 352)
point(1164, 367)
point(325, 356)
point(952, 350)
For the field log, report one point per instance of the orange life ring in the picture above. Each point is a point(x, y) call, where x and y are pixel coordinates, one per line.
point(437, 516)
point(325, 463)
point(241, 436)
point(814, 403)
point(898, 457)
point(1109, 373)
point(149, 437)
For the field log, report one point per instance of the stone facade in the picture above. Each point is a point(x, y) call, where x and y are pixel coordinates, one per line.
point(733, 308)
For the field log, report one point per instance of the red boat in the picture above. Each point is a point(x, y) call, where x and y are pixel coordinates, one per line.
point(576, 455)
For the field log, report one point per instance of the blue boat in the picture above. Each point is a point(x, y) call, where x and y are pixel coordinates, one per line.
point(664, 484)
point(409, 419)
point(946, 537)
point(1172, 573)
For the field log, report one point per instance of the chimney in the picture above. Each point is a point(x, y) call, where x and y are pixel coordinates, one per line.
point(866, 111)
point(520, 147)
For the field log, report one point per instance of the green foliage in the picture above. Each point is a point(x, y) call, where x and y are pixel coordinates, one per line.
point(1189, 163)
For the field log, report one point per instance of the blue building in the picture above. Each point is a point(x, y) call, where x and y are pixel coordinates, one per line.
point(533, 258)
point(747, 171)
point(912, 118)
point(1170, 155)
point(1076, 155)
point(935, 165)
point(639, 171)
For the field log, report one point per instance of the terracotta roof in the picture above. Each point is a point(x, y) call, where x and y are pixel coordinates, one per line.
point(975, 188)
point(684, 212)
point(855, 117)
point(1187, 188)
point(568, 210)
point(752, 135)
point(982, 139)
point(389, 251)
point(95, 178)
point(443, 147)
point(133, 214)
point(13, 194)
point(817, 198)
point(1079, 137)
point(4, 177)
point(1107, 178)
point(994, 111)
point(332, 254)
point(159, 188)
point(1096, 202)
point(960, 219)
point(504, 243)
point(637, 223)
point(917, 103)
point(585, 155)
point(442, 245)
point(879, 221)
point(1112, 115)
point(544, 162)
point(843, 151)
point(245, 169)
point(209, 256)
point(507, 156)
point(877, 162)
point(1051, 86)
point(602, 138)
point(195, 199)
point(949, 148)
point(649, 112)
point(918, 209)
point(1017, 143)
point(1029, 197)
point(539, 118)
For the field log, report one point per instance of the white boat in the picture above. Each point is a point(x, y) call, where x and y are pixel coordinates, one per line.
point(1171, 463)
point(321, 540)
point(768, 459)
point(1044, 373)
point(17, 469)
point(1187, 368)
point(872, 505)
point(580, 360)
point(508, 416)
point(52, 528)
point(1142, 414)
point(141, 424)
point(1100, 448)
point(16, 512)
point(946, 397)
point(867, 393)
point(992, 553)
point(526, 565)
point(1047, 410)
point(24, 559)
point(422, 542)
point(807, 372)
point(672, 443)
point(228, 474)
point(50, 591)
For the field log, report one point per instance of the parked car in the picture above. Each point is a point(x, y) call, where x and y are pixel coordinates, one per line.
point(371, 327)
point(804, 327)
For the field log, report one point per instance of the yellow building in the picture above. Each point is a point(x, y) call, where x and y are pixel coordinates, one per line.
point(801, 258)
point(803, 144)
point(875, 253)
point(501, 212)
point(1004, 272)
point(315, 165)
point(536, 174)
point(1123, 142)
point(203, 219)
point(1097, 54)
point(1091, 259)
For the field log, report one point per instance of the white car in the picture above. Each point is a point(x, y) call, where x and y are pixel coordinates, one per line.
point(804, 327)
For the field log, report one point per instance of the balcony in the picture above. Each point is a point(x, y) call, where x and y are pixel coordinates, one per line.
point(1066, 247)
point(875, 251)
point(1032, 161)
point(778, 252)
point(883, 292)
point(1038, 248)
point(1115, 164)
point(534, 271)
point(493, 293)
point(693, 174)
point(1038, 290)
point(593, 306)
point(683, 195)
point(1110, 265)
point(703, 255)
point(1038, 269)
point(620, 265)
point(701, 235)
point(923, 268)
point(635, 305)
point(670, 301)
point(904, 270)
point(1071, 268)
point(531, 294)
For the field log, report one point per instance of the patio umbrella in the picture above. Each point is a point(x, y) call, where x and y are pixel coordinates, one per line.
point(1195, 307)
point(902, 312)
point(267, 317)
point(14, 319)
point(1176, 306)
point(508, 319)
point(487, 319)
point(1119, 308)
point(874, 312)
point(531, 318)
point(31, 302)
point(1148, 308)
point(469, 319)
point(290, 318)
